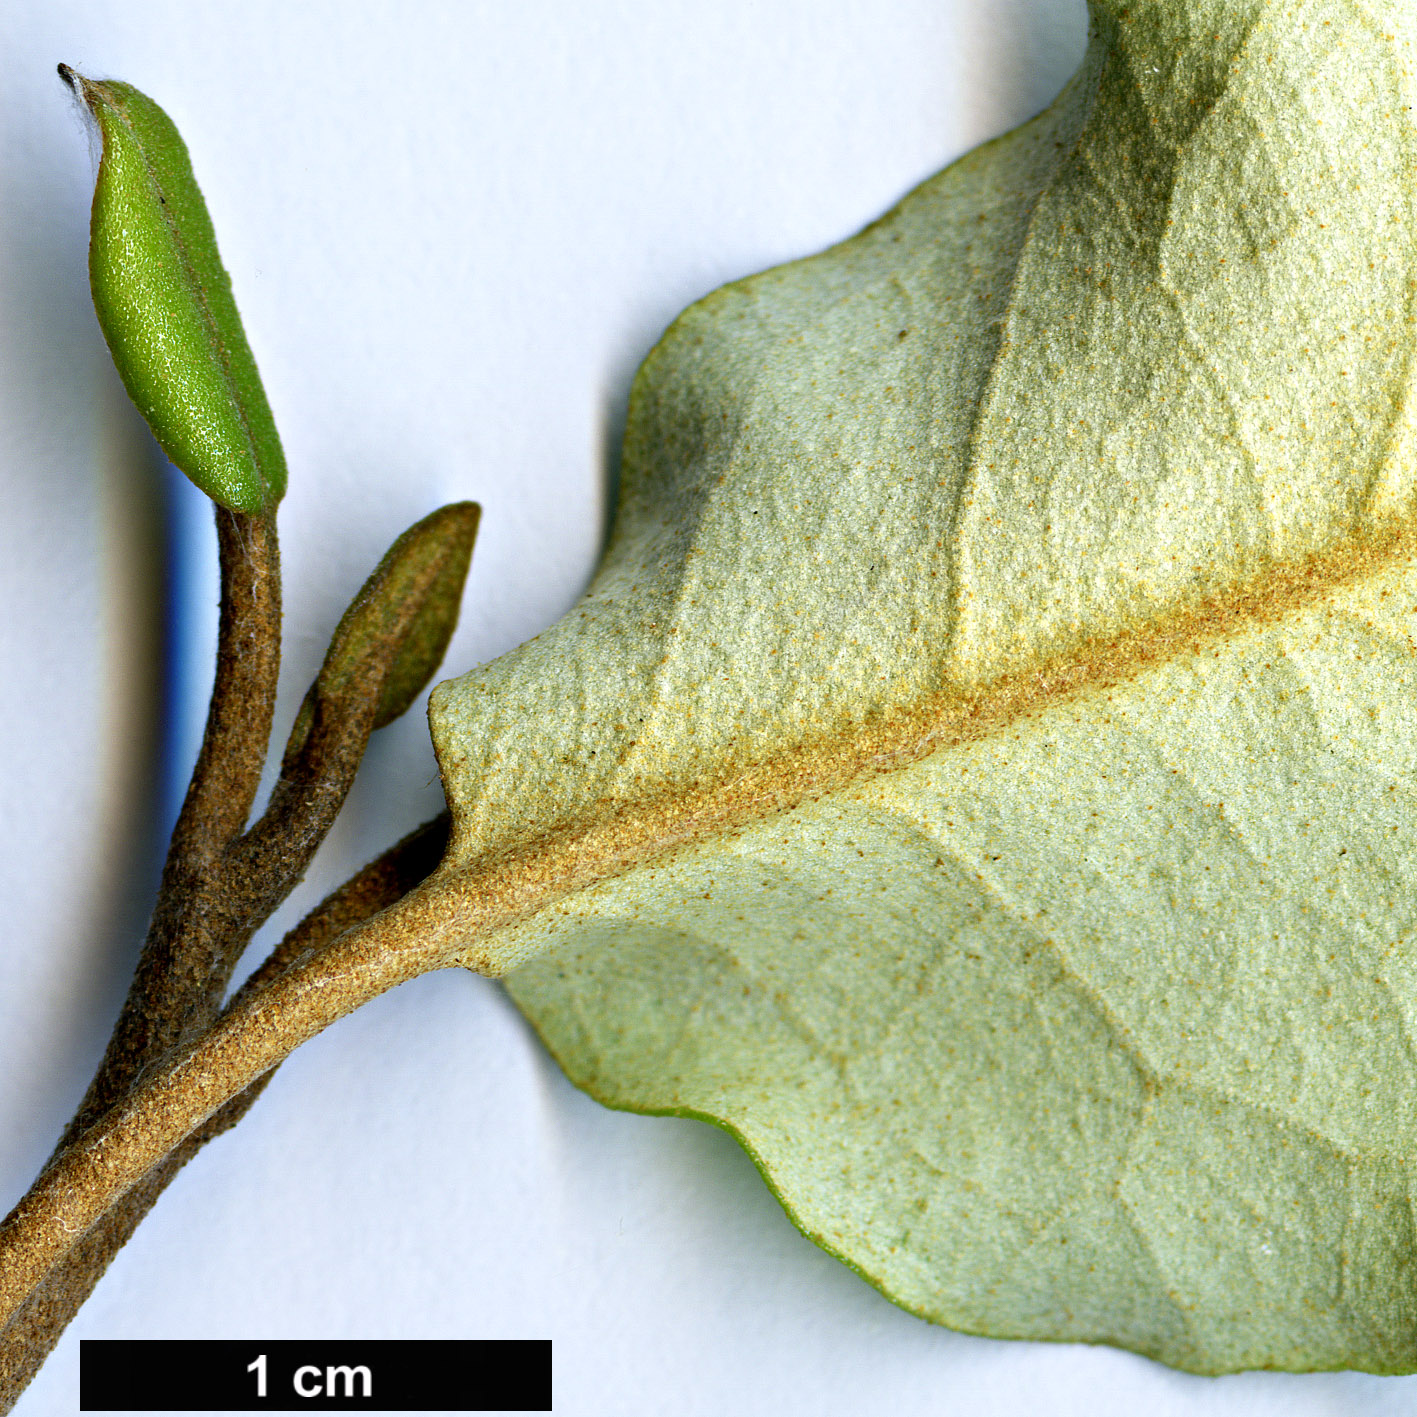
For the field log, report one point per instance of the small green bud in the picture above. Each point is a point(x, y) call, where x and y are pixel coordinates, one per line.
point(399, 624)
point(164, 304)
point(435, 554)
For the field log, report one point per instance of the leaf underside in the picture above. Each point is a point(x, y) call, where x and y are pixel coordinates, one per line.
point(1020, 599)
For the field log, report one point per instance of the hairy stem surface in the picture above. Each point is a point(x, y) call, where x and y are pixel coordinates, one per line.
point(257, 1033)
point(39, 1322)
point(179, 983)
point(220, 883)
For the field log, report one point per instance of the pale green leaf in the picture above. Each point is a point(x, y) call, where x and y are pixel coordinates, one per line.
point(982, 773)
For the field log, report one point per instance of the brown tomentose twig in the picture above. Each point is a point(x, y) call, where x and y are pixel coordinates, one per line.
point(177, 989)
point(30, 1336)
point(223, 879)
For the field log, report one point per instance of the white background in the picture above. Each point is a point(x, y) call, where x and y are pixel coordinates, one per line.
point(454, 230)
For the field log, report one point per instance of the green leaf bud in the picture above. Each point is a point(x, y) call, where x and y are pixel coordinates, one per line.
point(165, 306)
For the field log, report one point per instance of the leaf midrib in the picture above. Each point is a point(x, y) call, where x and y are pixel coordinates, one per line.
point(452, 915)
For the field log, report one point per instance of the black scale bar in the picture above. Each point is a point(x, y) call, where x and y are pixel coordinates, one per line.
point(420, 1375)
